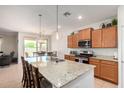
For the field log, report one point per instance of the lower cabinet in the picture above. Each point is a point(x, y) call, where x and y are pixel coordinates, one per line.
point(107, 70)
point(97, 68)
point(70, 57)
point(67, 57)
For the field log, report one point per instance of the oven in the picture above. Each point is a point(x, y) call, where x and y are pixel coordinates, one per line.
point(83, 57)
point(82, 60)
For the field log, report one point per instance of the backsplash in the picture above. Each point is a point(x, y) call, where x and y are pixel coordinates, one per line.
point(100, 51)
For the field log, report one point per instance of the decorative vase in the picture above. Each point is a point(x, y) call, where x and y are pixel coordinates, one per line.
point(103, 25)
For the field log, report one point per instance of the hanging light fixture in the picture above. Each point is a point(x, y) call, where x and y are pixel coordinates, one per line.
point(40, 26)
point(57, 29)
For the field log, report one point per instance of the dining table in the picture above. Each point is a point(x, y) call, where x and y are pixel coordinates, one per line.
point(64, 73)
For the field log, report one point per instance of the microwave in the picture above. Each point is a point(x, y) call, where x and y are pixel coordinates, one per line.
point(84, 43)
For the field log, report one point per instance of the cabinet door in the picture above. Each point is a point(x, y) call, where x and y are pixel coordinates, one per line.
point(75, 41)
point(97, 68)
point(97, 38)
point(109, 37)
point(85, 34)
point(109, 71)
point(67, 57)
point(72, 58)
point(69, 41)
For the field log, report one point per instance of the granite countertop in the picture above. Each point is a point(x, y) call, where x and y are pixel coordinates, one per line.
point(109, 58)
point(61, 73)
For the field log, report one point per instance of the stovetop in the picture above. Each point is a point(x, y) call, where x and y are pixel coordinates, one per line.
point(84, 55)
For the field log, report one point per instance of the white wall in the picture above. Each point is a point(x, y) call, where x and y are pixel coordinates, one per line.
point(21, 37)
point(9, 44)
point(61, 44)
point(121, 45)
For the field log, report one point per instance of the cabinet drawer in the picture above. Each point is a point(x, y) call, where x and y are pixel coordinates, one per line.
point(109, 62)
point(94, 60)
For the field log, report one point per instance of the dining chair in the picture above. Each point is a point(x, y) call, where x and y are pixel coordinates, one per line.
point(25, 76)
point(38, 80)
point(32, 78)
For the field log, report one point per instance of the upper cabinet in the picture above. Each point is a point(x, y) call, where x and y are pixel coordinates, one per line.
point(75, 40)
point(100, 38)
point(109, 37)
point(105, 38)
point(85, 34)
point(70, 41)
point(97, 38)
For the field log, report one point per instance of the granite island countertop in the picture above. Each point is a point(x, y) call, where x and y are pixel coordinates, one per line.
point(61, 73)
point(109, 58)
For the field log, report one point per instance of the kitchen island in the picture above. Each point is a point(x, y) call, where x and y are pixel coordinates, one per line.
point(65, 74)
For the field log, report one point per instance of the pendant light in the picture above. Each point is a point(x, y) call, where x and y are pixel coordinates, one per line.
point(57, 29)
point(40, 27)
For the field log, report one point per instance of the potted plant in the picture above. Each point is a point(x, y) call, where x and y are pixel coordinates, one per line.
point(72, 33)
point(114, 22)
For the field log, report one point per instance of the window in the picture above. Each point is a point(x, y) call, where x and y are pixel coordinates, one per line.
point(43, 45)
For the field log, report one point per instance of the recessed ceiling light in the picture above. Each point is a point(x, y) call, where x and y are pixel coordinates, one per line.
point(79, 17)
point(59, 26)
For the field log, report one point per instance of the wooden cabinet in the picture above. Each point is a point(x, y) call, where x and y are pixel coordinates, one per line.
point(107, 70)
point(101, 38)
point(97, 38)
point(75, 40)
point(97, 68)
point(70, 45)
point(70, 57)
point(67, 57)
point(104, 38)
point(85, 34)
point(109, 37)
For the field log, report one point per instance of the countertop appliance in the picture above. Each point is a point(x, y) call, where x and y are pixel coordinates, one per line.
point(115, 55)
point(84, 43)
point(83, 57)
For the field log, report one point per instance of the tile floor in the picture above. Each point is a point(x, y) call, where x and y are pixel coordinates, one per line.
point(10, 77)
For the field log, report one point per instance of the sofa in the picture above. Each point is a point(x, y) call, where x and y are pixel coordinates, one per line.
point(5, 60)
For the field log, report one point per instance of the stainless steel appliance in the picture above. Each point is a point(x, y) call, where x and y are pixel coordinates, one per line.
point(84, 43)
point(83, 57)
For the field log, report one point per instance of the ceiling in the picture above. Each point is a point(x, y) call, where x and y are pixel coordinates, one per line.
point(24, 18)
point(4, 32)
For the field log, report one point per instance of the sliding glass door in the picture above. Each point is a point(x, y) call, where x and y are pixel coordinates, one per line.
point(31, 46)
